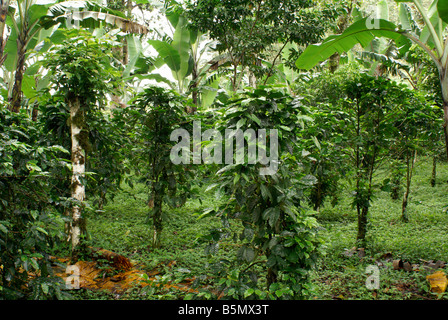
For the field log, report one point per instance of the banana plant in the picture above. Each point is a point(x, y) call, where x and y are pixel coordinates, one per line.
point(431, 38)
point(30, 20)
point(183, 53)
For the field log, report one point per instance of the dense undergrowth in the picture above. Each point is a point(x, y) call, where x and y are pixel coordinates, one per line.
point(123, 228)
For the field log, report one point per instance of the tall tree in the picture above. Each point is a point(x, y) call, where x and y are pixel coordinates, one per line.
point(245, 29)
point(72, 65)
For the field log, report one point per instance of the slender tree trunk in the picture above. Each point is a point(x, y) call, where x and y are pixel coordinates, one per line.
point(434, 171)
point(396, 181)
point(410, 163)
point(341, 25)
point(194, 89)
point(333, 62)
point(271, 277)
point(318, 195)
point(77, 124)
point(362, 223)
point(445, 124)
point(157, 219)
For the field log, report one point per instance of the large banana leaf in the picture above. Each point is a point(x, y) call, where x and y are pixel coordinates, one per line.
point(168, 53)
point(358, 33)
point(89, 15)
point(433, 15)
point(135, 50)
point(177, 53)
point(181, 43)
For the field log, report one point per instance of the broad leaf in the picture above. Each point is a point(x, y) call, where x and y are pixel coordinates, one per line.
point(168, 53)
point(181, 42)
point(134, 49)
point(442, 8)
point(358, 33)
point(433, 15)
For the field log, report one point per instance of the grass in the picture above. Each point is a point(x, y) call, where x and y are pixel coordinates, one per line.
point(122, 227)
point(424, 237)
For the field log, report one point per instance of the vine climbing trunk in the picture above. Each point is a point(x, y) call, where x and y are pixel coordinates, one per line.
point(78, 156)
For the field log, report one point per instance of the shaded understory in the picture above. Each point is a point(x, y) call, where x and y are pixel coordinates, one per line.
point(122, 228)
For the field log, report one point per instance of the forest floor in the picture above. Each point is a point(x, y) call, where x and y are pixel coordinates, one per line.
point(169, 272)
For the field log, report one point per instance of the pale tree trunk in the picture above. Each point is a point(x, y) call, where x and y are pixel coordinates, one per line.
point(78, 155)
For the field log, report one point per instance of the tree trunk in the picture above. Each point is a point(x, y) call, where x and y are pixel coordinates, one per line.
point(362, 223)
point(410, 163)
point(333, 62)
point(194, 89)
point(271, 277)
point(396, 182)
point(78, 156)
point(445, 124)
point(16, 97)
point(318, 195)
point(157, 219)
point(434, 171)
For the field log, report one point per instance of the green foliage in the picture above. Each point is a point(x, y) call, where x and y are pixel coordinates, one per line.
point(82, 67)
point(263, 214)
point(323, 138)
point(153, 117)
point(371, 109)
point(246, 31)
point(29, 225)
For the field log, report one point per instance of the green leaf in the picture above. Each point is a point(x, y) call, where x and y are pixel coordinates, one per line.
point(265, 192)
point(29, 86)
point(442, 8)
point(254, 118)
point(44, 287)
point(249, 292)
point(241, 123)
point(433, 16)
point(32, 166)
point(134, 49)
point(42, 230)
point(358, 33)
point(168, 53)
point(181, 43)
